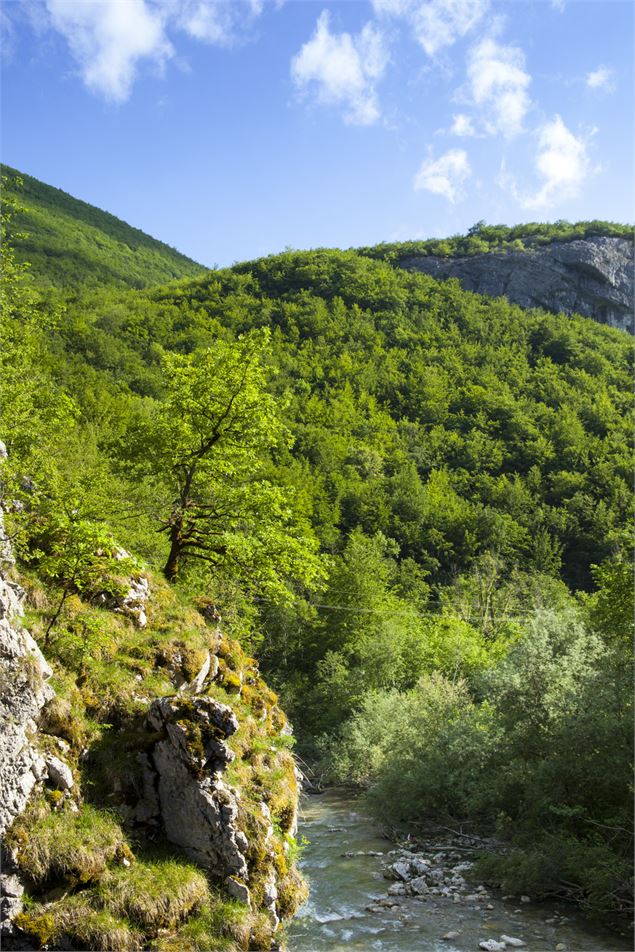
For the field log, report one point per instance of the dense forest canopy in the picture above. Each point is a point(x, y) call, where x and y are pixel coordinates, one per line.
point(482, 238)
point(70, 244)
point(463, 467)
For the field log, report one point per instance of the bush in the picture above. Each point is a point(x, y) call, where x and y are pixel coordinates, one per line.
point(425, 750)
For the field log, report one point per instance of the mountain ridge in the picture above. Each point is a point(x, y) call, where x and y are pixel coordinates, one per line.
point(70, 243)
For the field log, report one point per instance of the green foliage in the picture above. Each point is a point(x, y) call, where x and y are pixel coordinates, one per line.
point(155, 894)
point(540, 748)
point(202, 454)
point(483, 239)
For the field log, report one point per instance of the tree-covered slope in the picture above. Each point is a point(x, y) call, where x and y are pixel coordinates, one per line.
point(462, 640)
point(451, 423)
point(70, 244)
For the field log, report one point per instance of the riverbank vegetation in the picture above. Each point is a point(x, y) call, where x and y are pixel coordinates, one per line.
point(422, 529)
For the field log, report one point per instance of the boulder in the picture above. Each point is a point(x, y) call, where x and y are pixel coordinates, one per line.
point(60, 774)
point(419, 885)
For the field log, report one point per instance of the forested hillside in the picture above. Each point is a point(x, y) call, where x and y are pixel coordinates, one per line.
point(421, 526)
point(70, 244)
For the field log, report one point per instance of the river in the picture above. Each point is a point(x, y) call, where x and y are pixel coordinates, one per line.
point(335, 917)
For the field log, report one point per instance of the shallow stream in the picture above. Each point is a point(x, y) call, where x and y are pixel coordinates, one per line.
point(335, 917)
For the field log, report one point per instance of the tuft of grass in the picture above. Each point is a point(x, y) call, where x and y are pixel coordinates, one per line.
point(87, 928)
point(219, 926)
point(76, 847)
point(156, 894)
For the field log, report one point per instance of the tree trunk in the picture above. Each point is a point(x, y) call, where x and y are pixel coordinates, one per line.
point(171, 568)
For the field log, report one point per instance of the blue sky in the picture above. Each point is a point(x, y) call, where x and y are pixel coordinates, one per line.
point(235, 129)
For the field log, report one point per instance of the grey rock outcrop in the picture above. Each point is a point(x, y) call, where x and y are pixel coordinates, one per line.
point(198, 810)
point(131, 603)
point(24, 690)
point(592, 276)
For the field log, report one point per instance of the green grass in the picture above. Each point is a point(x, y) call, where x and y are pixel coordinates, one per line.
point(75, 847)
point(154, 894)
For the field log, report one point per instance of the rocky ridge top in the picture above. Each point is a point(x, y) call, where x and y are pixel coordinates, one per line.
point(592, 276)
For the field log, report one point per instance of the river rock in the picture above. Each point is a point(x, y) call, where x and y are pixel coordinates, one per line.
point(514, 943)
point(399, 871)
point(491, 945)
point(451, 935)
point(397, 889)
point(419, 885)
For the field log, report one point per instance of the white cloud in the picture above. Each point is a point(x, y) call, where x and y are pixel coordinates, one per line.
point(462, 125)
point(562, 162)
point(110, 38)
point(499, 84)
point(601, 78)
point(212, 21)
point(435, 23)
point(342, 70)
point(446, 175)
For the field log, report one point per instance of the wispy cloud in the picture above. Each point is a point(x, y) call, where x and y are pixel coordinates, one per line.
point(109, 39)
point(446, 175)
point(561, 161)
point(499, 83)
point(342, 70)
point(212, 21)
point(601, 78)
point(462, 126)
point(435, 24)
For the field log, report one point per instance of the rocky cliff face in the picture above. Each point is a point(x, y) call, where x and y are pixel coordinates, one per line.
point(592, 277)
point(24, 691)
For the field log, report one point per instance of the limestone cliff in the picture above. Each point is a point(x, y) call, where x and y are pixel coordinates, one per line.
point(592, 277)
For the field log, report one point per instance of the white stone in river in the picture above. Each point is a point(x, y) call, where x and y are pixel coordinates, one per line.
point(510, 940)
point(491, 945)
point(451, 935)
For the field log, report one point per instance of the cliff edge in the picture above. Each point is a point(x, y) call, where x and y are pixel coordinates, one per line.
point(592, 276)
